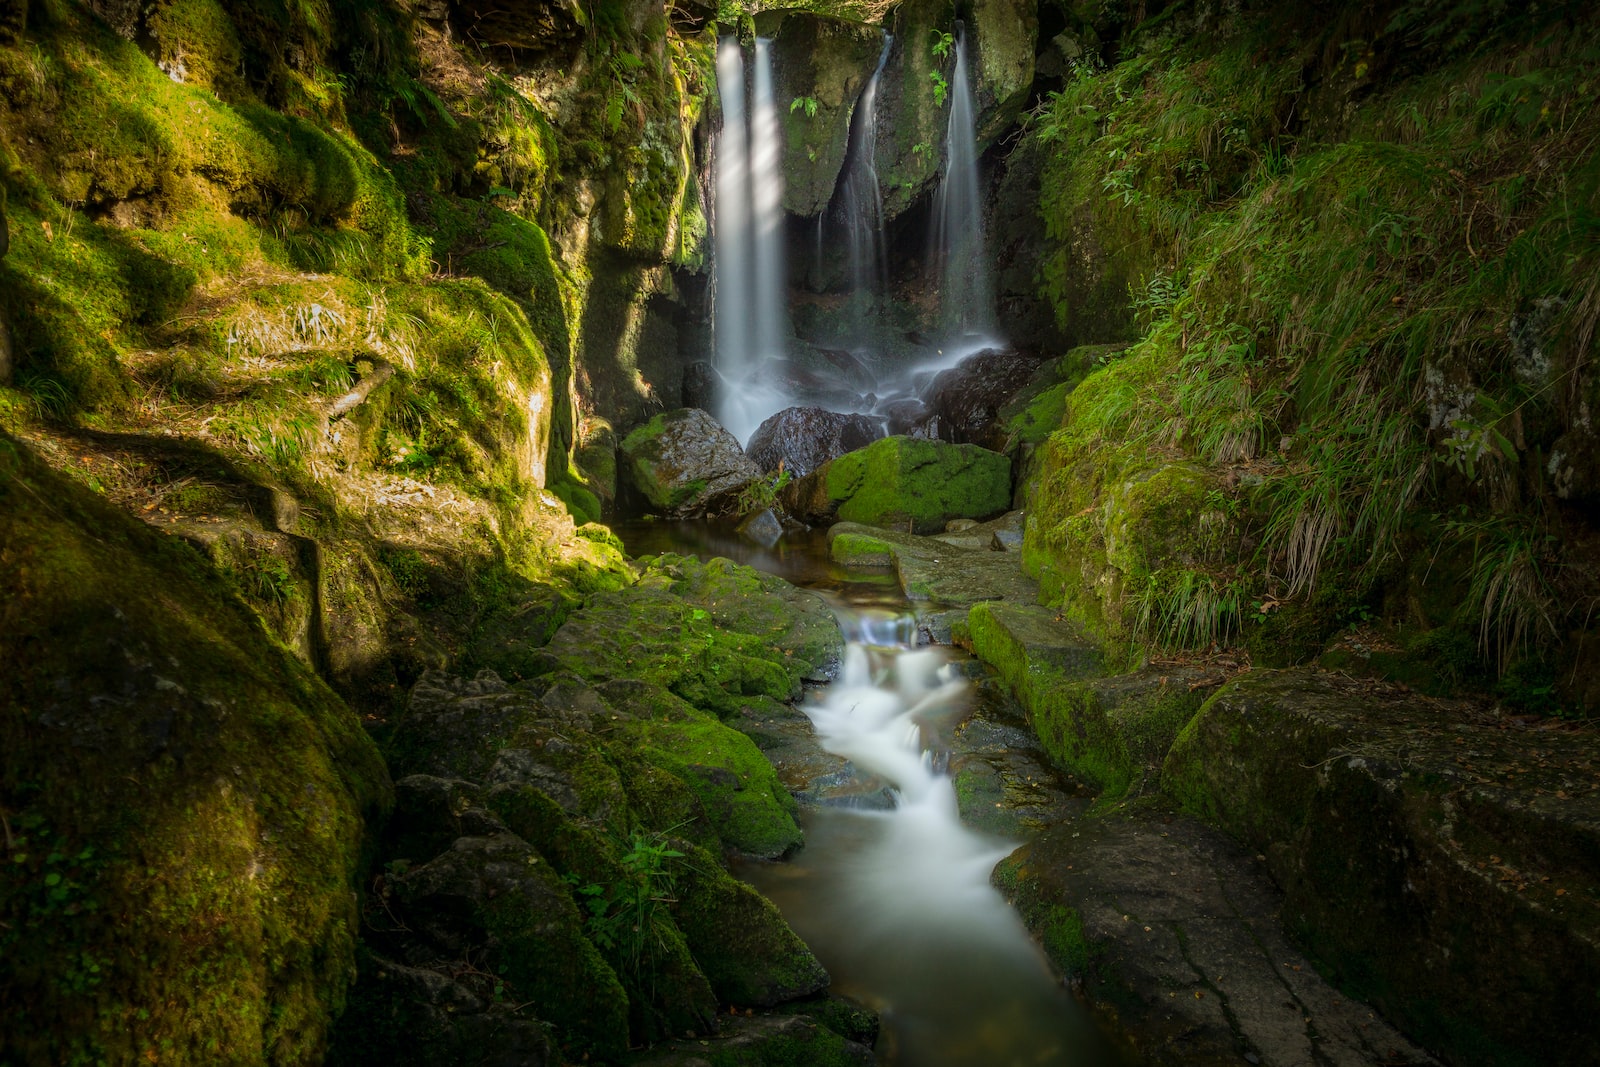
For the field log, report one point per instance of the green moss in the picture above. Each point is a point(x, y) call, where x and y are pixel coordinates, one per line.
point(860, 550)
point(899, 480)
point(733, 781)
point(747, 951)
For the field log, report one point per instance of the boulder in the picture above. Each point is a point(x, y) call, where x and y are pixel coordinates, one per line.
point(683, 463)
point(1422, 845)
point(968, 397)
point(898, 481)
point(186, 803)
point(496, 896)
point(828, 61)
point(800, 440)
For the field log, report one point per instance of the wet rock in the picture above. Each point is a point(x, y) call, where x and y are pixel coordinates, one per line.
point(968, 397)
point(762, 528)
point(684, 464)
point(801, 439)
point(1421, 845)
point(901, 481)
point(904, 416)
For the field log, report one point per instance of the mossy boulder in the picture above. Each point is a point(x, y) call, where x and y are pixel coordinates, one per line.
point(719, 635)
point(901, 481)
point(825, 63)
point(1124, 538)
point(746, 950)
point(911, 125)
point(510, 899)
point(165, 766)
point(1422, 845)
point(737, 787)
point(683, 463)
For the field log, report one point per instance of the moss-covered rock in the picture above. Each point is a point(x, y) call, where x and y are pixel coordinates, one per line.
point(1004, 34)
point(684, 464)
point(734, 782)
point(746, 950)
point(516, 905)
point(1422, 846)
point(1113, 732)
point(900, 481)
point(165, 766)
point(718, 635)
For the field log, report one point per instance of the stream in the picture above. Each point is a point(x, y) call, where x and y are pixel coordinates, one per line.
point(891, 890)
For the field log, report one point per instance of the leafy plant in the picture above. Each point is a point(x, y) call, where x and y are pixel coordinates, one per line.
point(761, 493)
point(625, 919)
point(942, 44)
point(807, 104)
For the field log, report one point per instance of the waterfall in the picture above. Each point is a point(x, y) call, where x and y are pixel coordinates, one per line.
point(966, 292)
point(861, 205)
point(731, 236)
point(749, 319)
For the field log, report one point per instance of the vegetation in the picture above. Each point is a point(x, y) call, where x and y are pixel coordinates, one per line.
point(1360, 298)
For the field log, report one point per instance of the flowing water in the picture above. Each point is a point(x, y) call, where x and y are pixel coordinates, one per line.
point(966, 292)
point(860, 205)
point(895, 899)
point(749, 319)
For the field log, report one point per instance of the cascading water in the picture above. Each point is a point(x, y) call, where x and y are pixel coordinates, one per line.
point(966, 291)
point(732, 237)
point(897, 903)
point(749, 320)
point(861, 204)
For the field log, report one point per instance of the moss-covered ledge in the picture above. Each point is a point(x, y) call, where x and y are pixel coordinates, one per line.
point(1424, 848)
point(1112, 731)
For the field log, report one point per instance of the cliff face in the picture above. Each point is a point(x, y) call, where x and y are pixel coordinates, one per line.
point(329, 293)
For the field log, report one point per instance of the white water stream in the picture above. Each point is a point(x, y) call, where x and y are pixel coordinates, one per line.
point(897, 903)
point(750, 320)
